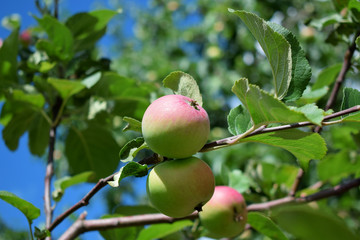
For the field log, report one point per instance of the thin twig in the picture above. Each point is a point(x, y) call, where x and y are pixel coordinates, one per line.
point(81, 226)
point(296, 183)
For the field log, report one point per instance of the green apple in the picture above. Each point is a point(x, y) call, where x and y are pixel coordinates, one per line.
point(175, 126)
point(179, 187)
point(225, 215)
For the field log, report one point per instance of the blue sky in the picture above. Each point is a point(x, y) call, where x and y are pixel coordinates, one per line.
point(23, 174)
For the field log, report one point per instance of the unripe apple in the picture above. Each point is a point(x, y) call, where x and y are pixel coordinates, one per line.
point(225, 215)
point(175, 126)
point(179, 187)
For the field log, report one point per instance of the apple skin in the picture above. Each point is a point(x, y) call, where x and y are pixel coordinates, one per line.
point(174, 126)
point(225, 215)
point(25, 38)
point(178, 187)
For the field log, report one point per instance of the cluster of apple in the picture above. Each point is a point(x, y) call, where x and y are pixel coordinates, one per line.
point(177, 127)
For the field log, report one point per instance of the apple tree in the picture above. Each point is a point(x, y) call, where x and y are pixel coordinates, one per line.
point(252, 107)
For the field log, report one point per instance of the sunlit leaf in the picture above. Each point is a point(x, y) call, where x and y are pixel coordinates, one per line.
point(66, 88)
point(8, 59)
point(300, 144)
point(276, 48)
point(266, 226)
point(301, 70)
point(132, 124)
point(29, 210)
point(327, 76)
point(130, 169)
point(239, 120)
point(183, 84)
point(133, 144)
point(157, 231)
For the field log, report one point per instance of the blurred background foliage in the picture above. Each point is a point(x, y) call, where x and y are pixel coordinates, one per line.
point(150, 39)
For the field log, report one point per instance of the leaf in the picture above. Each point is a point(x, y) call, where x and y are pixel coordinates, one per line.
point(30, 211)
point(92, 149)
point(61, 41)
point(157, 231)
point(130, 169)
point(8, 59)
point(17, 126)
point(39, 134)
point(311, 224)
point(128, 233)
point(63, 183)
point(327, 76)
point(183, 84)
point(35, 99)
point(126, 150)
point(303, 145)
point(312, 96)
point(313, 113)
point(41, 233)
point(276, 48)
point(301, 70)
point(326, 21)
point(263, 107)
point(239, 181)
point(88, 28)
point(91, 80)
point(265, 225)
point(132, 124)
point(239, 120)
point(66, 88)
point(351, 98)
point(335, 167)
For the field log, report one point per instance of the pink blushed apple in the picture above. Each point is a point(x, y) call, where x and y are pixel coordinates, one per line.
point(225, 215)
point(175, 126)
point(179, 187)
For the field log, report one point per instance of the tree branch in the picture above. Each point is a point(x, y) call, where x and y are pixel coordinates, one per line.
point(341, 77)
point(334, 191)
point(81, 225)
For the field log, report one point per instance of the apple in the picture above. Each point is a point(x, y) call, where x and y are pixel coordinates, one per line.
point(225, 215)
point(175, 126)
point(25, 37)
point(179, 187)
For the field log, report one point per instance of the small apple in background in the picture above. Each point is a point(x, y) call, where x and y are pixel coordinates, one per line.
point(225, 215)
point(1, 42)
point(25, 38)
point(179, 187)
point(175, 126)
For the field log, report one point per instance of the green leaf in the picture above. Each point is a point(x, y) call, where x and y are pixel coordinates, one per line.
point(30, 211)
point(327, 76)
point(351, 98)
point(66, 88)
point(263, 107)
point(63, 183)
point(91, 80)
point(313, 113)
point(239, 181)
point(265, 225)
point(16, 127)
point(41, 233)
point(303, 145)
point(61, 41)
point(130, 169)
point(312, 96)
point(128, 233)
point(311, 224)
point(276, 48)
point(132, 124)
point(92, 149)
point(35, 99)
point(183, 84)
point(335, 167)
point(326, 21)
point(157, 231)
point(8, 59)
point(128, 148)
point(301, 70)
point(88, 28)
point(39, 134)
point(239, 120)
